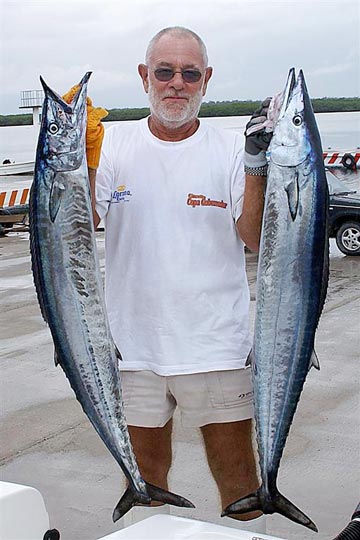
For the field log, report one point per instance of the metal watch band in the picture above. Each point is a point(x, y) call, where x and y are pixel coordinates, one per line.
point(256, 171)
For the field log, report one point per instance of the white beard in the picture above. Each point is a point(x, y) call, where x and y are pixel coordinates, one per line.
point(173, 116)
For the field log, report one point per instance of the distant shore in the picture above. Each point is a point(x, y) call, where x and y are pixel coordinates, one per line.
point(208, 109)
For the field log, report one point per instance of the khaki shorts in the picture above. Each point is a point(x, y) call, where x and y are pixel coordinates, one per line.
point(202, 398)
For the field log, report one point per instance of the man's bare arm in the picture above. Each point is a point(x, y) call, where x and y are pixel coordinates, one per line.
point(258, 134)
point(92, 180)
point(249, 223)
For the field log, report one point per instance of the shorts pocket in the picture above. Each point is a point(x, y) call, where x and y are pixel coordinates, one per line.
point(127, 385)
point(232, 388)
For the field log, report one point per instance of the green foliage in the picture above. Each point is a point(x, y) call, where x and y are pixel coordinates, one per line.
point(245, 108)
point(16, 120)
point(211, 108)
point(127, 114)
point(335, 104)
point(229, 108)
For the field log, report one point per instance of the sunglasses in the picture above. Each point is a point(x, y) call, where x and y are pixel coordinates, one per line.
point(188, 75)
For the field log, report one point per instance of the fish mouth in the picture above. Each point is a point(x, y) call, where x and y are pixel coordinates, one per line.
point(82, 83)
point(67, 107)
point(288, 90)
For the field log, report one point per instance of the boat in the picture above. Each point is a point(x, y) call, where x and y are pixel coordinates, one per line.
point(17, 168)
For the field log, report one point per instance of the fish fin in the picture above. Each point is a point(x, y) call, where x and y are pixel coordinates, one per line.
point(117, 353)
point(132, 498)
point(269, 503)
point(57, 190)
point(314, 361)
point(292, 191)
point(250, 359)
point(56, 358)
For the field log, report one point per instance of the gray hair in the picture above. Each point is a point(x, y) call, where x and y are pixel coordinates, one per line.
point(180, 31)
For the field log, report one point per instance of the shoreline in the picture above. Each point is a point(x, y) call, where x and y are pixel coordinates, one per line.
point(212, 109)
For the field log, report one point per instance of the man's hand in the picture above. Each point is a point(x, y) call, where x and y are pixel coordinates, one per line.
point(94, 129)
point(258, 133)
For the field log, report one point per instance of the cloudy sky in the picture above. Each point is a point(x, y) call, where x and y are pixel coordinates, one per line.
point(251, 45)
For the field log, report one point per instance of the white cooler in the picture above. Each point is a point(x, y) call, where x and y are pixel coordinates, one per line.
point(22, 513)
point(23, 516)
point(164, 527)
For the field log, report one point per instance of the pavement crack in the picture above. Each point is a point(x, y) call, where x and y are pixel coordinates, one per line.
point(343, 302)
point(6, 459)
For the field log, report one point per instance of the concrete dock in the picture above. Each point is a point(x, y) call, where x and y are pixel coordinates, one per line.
point(48, 443)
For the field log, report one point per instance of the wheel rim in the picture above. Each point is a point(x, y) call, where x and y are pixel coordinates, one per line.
point(351, 239)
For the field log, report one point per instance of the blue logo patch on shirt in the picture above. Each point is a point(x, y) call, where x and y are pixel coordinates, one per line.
point(121, 194)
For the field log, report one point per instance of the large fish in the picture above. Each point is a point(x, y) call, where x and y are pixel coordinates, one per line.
point(69, 285)
point(291, 288)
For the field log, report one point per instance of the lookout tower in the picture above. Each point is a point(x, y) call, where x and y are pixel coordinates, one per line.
point(32, 99)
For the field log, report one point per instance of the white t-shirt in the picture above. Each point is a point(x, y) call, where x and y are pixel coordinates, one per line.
point(176, 289)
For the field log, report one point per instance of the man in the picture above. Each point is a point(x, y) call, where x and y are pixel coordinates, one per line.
point(178, 210)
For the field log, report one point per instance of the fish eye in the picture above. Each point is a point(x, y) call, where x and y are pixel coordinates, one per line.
point(53, 128)
point(297, 120)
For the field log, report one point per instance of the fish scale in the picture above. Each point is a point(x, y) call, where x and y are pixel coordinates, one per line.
point(68, 283)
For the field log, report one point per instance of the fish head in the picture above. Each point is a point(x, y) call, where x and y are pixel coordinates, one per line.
point(291, 143)
point(63, 128)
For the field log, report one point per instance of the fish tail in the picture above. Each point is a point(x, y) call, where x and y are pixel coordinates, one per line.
point(132, 498)
point(269, 503)
point(288, 509)
point(167, 497)
point(249, 503)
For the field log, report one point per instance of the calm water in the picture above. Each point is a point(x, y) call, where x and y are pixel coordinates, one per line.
point(339, 131)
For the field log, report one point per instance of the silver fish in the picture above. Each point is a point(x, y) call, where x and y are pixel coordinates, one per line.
point(292, 280)
point(69, 285)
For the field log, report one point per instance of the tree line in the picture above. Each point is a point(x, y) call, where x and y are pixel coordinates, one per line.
point(210, 108)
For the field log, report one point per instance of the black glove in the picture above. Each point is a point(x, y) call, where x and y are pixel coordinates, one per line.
point(257, 140)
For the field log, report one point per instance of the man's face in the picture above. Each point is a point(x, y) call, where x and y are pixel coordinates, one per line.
point(175, 102)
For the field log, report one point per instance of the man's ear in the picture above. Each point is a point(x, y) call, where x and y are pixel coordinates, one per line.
point(208, 73)
point(143, 71)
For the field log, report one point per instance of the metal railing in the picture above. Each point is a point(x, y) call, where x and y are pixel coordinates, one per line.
point(31, 98)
